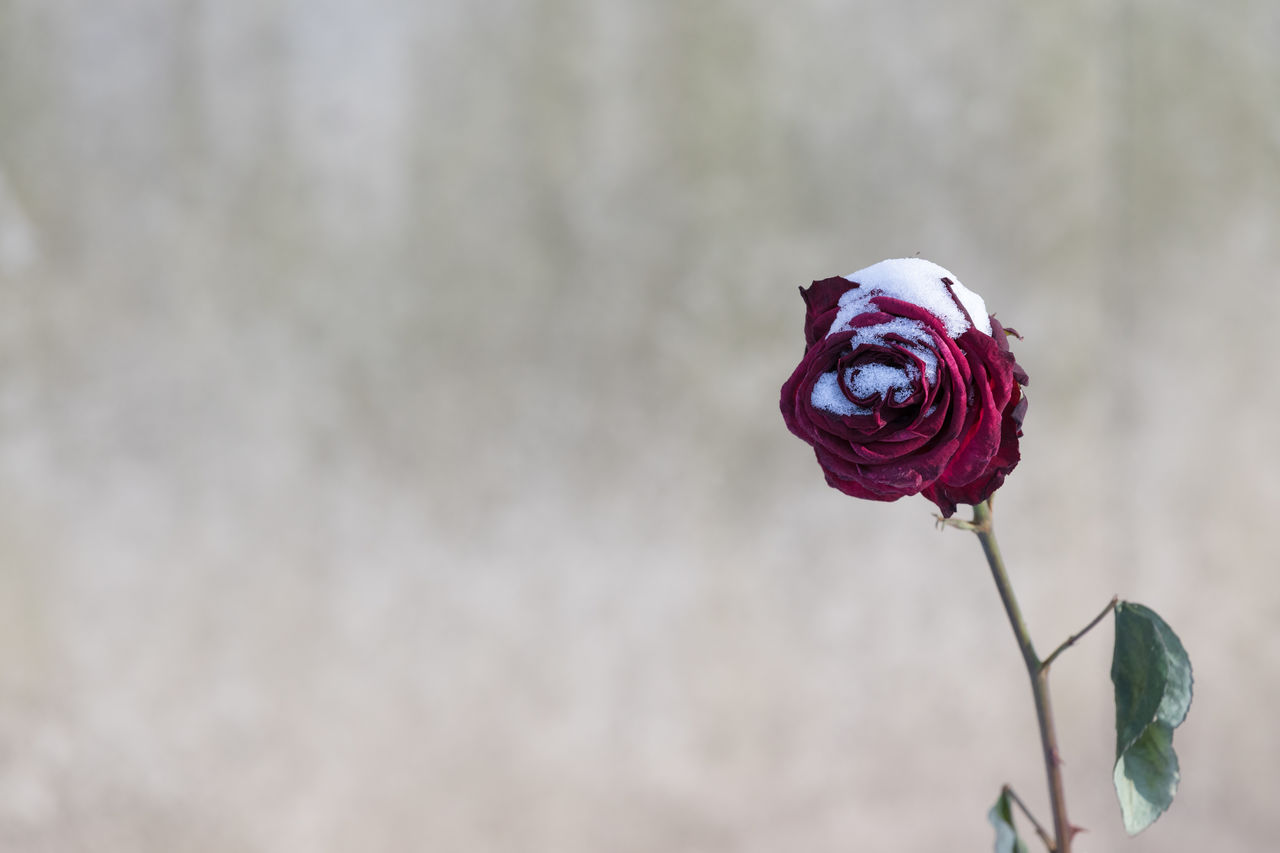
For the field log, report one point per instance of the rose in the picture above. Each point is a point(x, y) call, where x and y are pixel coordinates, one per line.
point(907, 386)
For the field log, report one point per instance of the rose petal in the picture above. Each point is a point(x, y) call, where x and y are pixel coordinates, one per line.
point(822, 301)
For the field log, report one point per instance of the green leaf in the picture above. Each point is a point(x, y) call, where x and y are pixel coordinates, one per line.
point(1001, 817)
point(1152, 677)
point(1146, 777)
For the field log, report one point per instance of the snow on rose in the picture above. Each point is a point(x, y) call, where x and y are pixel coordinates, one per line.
point(907, 386)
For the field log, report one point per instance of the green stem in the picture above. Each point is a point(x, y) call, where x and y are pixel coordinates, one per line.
point(1036, 672)
point(1074, 638)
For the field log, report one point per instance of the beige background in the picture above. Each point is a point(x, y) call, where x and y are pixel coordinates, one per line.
point(389, 447)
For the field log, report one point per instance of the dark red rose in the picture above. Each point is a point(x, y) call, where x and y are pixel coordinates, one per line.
point(906, 387)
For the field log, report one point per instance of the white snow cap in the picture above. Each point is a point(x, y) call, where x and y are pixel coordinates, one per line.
point(917, 281)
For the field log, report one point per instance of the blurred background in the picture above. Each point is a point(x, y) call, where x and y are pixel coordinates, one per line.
point(389, 446)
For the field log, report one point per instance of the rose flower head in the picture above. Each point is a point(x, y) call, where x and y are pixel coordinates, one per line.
point(907, 386)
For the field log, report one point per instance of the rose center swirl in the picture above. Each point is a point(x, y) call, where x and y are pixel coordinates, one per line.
point(862, 381)
point(881, 377)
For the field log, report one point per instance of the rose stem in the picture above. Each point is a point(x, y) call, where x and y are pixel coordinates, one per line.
point(1038, 674)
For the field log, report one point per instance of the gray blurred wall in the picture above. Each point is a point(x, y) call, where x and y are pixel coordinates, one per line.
point(389, 447)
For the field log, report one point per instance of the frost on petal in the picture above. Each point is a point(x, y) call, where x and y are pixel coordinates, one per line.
point(876, 379)
point(920, 282)
point(828, 396)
